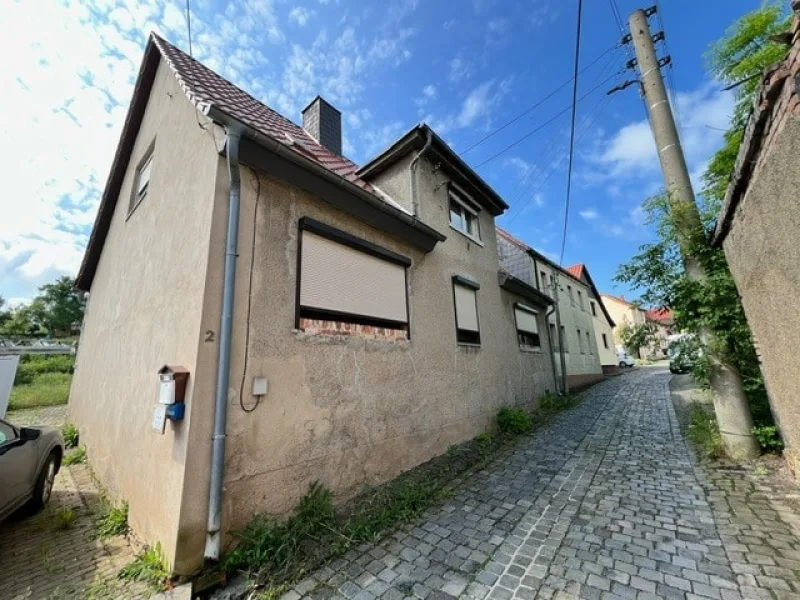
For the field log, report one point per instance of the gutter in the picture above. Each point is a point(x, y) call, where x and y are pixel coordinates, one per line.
point(233, 136)
point(412, 169)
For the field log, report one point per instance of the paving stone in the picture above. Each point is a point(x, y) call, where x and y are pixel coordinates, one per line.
point(623, 509)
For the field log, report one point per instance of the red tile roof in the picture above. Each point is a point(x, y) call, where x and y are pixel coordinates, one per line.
point(663, 315)
point(206, 88)
point(576, 270)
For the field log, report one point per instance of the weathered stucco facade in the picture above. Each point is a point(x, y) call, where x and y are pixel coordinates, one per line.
point(347, 410)
point(144, 311)
point(759, 230)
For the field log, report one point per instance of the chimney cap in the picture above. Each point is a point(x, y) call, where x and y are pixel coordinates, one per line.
point(321, 99)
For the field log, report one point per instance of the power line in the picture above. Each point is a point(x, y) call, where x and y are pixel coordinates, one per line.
point(572, 131)
point(539, 102)
point(546, 123)
point(588, 121)
point(529, 175)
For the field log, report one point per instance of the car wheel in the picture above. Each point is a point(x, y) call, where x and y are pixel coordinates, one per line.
point(622, 364)
point(44, 483)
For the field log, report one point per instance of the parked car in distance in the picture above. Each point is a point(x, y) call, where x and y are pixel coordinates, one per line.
point(30, 458)
point(624, 359)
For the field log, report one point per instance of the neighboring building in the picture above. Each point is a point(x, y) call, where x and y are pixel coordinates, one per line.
point(623, 313)
point(759, 229)
point(664, 322)
point(372, 325)
point(585, 322)
point(601, 319)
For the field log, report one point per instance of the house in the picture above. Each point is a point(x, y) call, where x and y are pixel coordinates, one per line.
point(624, 313)
point(758, 229)
point(601, 319)
point(585, 325)
point(336, 323)
point(663, 322)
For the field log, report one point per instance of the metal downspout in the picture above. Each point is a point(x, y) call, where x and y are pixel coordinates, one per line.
point(214, 528)
point(413, 172)
point(549, 312)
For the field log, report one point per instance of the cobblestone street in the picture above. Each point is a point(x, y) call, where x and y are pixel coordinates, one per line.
point(607, 502)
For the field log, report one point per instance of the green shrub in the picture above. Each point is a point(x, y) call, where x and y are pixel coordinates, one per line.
point(484, 442)
point(75, 457)
point(32, 365)
point(70, 434)
point(769, 438)
point(148, 567)
point(47, 389)
point(114, 521)
point(513, 420)
point(704, 432)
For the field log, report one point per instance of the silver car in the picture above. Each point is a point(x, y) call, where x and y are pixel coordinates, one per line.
point(30, 457)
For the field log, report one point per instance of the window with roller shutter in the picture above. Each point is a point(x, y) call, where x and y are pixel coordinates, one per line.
point(527, 326)
point(346, 279)
point(465, 299)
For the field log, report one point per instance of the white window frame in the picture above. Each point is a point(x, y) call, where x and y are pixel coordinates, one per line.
point(466, 214)
point(145, 165)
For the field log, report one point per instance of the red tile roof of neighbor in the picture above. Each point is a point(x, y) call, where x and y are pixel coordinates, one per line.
point(204, 88)
point(660, 314)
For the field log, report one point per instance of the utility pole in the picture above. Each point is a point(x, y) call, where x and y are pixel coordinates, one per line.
point(564, 378)
point(730, 403)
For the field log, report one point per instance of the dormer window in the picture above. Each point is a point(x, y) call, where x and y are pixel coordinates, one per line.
point(463, 217)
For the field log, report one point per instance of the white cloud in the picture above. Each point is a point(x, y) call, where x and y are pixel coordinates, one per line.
point(459, 70)
point(447, 25)
point(520, 165)
point(538, 199)
point(589, 214)
point(300, 15)
point(378, 139)
point(476, 108)
point(631, 154)
point(542, 15)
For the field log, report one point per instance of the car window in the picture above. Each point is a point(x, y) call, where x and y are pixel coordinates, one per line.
point(6, 432)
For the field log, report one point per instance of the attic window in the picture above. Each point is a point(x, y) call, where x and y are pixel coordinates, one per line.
point(463, 217)
point(142, 181)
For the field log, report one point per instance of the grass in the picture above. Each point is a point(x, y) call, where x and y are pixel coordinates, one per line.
point(114, 521)
point(148, 567)
point(703, 432)
point(274, 552)
point(75, 457)
point(47, 389)
point(70, 434)
point(64, 518)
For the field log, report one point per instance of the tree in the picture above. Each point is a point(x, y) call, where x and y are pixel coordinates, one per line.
point(59, 306)
point(20, 323)
point(740, 56)
point(636, 337)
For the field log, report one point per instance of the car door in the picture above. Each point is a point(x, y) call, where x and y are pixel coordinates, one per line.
point(17, 467)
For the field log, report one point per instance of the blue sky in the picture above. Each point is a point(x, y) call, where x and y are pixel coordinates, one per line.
point(464, 67)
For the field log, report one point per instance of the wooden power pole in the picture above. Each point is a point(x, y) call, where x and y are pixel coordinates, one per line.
point(730, 402)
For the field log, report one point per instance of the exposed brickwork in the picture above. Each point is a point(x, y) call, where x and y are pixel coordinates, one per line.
point(319, 327)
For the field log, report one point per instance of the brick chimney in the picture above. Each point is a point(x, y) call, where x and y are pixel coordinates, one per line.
point(324, 123)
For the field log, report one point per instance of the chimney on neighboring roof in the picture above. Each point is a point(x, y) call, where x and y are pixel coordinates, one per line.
point(324, 123)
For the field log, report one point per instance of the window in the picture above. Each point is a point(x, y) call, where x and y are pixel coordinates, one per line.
point(580, 299)
point(569, 293)
point(544, 281)
point(6, 433)
point(527, 326)
point(589, 343)
point(463, 218)
point(564, 341)
point(345, 279)
point(593, 307)
point(605, 341)
point(466, 305)
point(580, 342)
point(554, 338)
point(141, 183)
